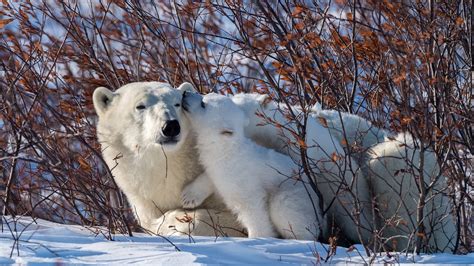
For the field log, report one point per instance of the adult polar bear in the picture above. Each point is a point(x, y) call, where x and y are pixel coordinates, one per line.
point(148, 145)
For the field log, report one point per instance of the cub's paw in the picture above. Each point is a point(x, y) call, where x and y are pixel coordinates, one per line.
point(192, 198)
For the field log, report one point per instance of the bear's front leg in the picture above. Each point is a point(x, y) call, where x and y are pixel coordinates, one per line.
point(145, 211)
point(197, 191)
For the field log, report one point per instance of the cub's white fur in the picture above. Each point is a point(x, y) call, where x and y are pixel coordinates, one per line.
point(257, 183)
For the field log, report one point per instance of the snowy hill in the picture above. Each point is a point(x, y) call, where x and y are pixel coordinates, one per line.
point(52, 243)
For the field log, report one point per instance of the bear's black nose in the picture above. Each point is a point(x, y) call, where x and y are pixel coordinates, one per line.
point(171, 128)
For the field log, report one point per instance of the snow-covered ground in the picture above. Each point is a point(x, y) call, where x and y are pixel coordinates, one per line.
point(47, 242)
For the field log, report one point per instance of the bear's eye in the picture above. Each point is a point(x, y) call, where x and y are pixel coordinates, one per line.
point(140, 107)
point(227, 132)
point(177, 105)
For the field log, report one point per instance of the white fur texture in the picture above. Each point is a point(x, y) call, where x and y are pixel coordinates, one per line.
point(323, 148)
point(382, 159)
point(351, 129)
point(257, 183)
point(150, 168)
point(394, 166)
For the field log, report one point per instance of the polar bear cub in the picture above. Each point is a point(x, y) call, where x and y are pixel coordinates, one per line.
point(256, 183)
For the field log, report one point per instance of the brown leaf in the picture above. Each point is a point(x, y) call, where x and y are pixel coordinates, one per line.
point(349, 16)
point(323, 121)
point(277, 64)
point(459, 21)
point(23, 14)
point(302, 143)
point(344, 142)
point(399, 78)
point(4, 22)
point(297, 11)
point(84, 164)
point(299, 26)
point(406, 120)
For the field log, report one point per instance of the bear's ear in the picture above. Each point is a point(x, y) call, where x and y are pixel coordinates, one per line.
point(102, 98)
point(187, 87)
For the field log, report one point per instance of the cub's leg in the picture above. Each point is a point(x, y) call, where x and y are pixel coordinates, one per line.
point(197, 191)
point(254, 215)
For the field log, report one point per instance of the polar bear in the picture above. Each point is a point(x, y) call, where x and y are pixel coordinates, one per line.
point(394, 168)
point(148, 145)
point(257, 183)
point(339, 178)
point(383, 158)
point(388, 160)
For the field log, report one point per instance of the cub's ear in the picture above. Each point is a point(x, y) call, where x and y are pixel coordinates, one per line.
point(102, 98)
point(187, 87)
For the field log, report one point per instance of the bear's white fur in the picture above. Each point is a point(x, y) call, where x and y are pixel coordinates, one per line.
point(387, 160)
point(150, 167)
point(153, 175)
point(345, 128)
point(394, 167)
point(382, 159)
point(327, 160)
point(257, 183)
point(351, 129)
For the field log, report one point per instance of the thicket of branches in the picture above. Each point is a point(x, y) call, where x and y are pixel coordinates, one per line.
point(404, 65)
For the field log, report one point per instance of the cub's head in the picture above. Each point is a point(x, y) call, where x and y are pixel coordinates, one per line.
point(214, 115)
point(141, 115)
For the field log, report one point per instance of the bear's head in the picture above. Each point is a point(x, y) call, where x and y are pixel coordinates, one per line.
point(141, 115)
point(214, 115)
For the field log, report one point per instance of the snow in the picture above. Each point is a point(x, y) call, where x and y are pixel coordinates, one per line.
point(51, 243)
